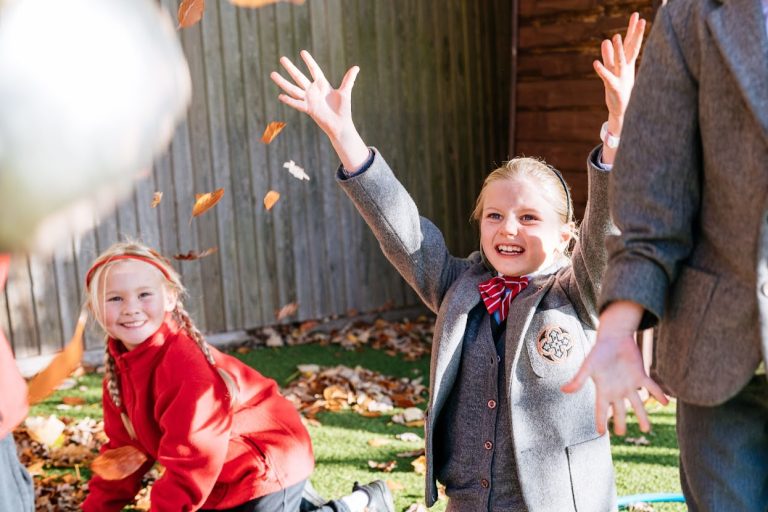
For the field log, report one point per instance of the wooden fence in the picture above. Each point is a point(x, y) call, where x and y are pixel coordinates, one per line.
point(559, 102)
point(433, 94)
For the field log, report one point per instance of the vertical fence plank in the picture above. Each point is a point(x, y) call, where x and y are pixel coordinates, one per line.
point(21, 308)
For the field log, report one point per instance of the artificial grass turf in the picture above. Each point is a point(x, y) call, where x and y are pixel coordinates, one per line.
point(341, 441)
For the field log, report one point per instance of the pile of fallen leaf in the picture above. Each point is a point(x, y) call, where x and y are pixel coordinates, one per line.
point(411, 339)
point(358, 389)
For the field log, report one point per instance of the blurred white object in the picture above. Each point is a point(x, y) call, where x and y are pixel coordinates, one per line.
point(90, 92)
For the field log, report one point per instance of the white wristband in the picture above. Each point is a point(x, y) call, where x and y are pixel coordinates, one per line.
point(608, 139)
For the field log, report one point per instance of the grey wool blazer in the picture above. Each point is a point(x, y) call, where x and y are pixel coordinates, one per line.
point(563, 464)
point(689, 192)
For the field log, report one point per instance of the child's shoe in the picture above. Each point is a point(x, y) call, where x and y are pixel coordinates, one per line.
point(379, 497)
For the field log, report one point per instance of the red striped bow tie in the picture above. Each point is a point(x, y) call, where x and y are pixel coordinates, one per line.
point(493, 293)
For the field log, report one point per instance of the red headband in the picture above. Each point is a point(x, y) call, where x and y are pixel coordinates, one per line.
point(103, 262)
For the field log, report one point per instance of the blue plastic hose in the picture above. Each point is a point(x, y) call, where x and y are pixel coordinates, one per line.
point(658, 497)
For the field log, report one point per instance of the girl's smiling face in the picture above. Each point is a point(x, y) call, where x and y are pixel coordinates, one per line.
point(520, 231)
point(135, 301)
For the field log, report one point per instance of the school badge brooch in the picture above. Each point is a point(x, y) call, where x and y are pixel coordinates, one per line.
point(554, 344)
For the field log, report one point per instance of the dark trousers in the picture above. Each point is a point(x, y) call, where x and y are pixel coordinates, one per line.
point(724, 452)
point(290, 499)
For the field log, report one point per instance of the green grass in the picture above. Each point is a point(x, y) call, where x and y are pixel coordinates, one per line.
point(341, 441)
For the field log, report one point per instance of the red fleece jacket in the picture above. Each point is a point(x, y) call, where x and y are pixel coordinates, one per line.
point(214, 457)
point(13, 389)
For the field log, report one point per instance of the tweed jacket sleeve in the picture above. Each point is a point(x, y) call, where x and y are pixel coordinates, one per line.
point(413, 244)
point(583, 278)
point(655, 185)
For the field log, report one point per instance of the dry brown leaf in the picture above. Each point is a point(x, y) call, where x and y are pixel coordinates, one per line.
point(271, 131)
point(36, 468)
point(254, 4)
point(287, 310)
point(204, 202)
point(156, 198)
point(194, 255)
point(73, 400)
point(61, 367)
point(394, 486)
point(190, 12)
point(118, 463)
point(270, 199)
point(379, 441)
point(420, 465)
point(386, 467)
point(412, 453)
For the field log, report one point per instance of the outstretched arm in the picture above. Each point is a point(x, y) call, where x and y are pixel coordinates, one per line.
point(330, 108)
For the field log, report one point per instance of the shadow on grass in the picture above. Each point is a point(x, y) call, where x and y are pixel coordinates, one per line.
point(662, 450)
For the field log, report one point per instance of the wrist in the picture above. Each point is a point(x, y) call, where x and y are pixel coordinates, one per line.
point(620, 319)
point(615, 124)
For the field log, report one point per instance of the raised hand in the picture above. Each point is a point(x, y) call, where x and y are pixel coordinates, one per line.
point(616, 367)
point(330, 108)
point(617, 70)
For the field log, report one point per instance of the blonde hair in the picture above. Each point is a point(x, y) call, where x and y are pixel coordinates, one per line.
point(95, 294)
point(553, 187)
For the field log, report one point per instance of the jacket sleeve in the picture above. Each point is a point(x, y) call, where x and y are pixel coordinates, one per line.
point(13, 399)
point(413, 244)
point(655, 184)
point(195, 423)
point(113, 495)
point(588, 260)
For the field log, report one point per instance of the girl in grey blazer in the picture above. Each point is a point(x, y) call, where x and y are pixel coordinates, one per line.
point(499, 432)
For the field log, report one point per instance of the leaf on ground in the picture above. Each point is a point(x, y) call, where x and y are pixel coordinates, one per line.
point(416, 507)
point(118, 463)
point(379, 441)
point(409, 437)
point(386, 467)
point(420, 465)
point(36, 468)
point(156, 198)
point(637, 441)
point(204, 202)
point(287, 310)
point(270, 199)
point(190, 12)
point(73, 400)
point(296, 171)
point(194, 255)
point(67, 361)
point(273, 338)
point(255, 4)
point(271, 131)
point(412, 453)
point(394, 486)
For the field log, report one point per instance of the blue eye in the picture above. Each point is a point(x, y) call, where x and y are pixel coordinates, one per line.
point(528, 218)
point(493, 216)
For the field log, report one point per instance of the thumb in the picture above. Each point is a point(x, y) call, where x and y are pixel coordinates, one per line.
point(349, 79)
point(578, 380)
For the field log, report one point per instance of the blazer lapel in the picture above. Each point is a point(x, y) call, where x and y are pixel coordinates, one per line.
point(461, 299)
point(738, 28)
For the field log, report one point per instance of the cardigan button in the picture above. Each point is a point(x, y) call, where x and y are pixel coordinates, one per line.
point(488, 445)
point(491, 404)
point(484, 483)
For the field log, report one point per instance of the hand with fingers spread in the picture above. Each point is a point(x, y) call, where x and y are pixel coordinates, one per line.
point(617, 71)
point(330, 108)
point(616, 367)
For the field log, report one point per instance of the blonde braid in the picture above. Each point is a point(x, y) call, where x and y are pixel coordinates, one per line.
point(113, 388)
point(186, 323)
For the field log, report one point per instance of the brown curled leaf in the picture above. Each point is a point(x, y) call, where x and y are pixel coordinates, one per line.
point(118, 463)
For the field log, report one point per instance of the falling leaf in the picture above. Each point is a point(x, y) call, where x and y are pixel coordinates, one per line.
point(270, 199)
point(287, 310)
point(45, 431)
point(204, 202)
point(295, 170)
point(73, 400)
point(271, 131)
point(386, 467)
point(61, 367)
point(156, 198)
point(118, 463)
point(254, 4)
point(194, 255)
point(190, 12)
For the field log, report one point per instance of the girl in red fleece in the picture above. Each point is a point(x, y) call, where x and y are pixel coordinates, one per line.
point(226, 437)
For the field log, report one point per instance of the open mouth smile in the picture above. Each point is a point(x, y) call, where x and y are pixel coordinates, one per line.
point(509, 249)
